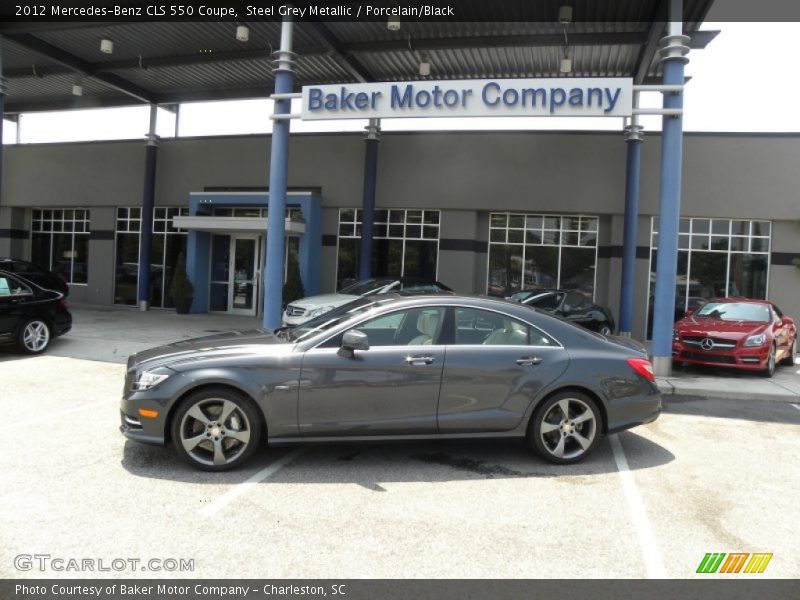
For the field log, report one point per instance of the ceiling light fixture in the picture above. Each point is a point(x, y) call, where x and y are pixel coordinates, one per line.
point(393, 24)
point(106, 46)
point(565, 15)
point(77, 89)
point(242, 33)
point(566, 65)
point(565, 18)
point(424, 67)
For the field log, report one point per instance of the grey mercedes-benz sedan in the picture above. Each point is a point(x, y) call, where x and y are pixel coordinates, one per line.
point(391, 367)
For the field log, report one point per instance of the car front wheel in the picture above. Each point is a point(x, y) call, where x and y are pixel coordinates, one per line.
point(34, 336)
point(216, 429)
point(770, 370)
point(565, 428)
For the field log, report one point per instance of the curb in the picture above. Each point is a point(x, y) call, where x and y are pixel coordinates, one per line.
point(669, 390)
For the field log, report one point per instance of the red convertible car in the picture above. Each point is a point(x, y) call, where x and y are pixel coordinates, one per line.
point(736, 332)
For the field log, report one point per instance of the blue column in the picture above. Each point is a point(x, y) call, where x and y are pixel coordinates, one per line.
point(632, 169)
point(278, 170)
point(368, 206)
point(148, 200)
point(669, 209)
point(2, 114)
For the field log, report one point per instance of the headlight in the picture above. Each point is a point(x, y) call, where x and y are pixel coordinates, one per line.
point(755, 340)
point(675, 336)
point(147, 380)
point(320, 311)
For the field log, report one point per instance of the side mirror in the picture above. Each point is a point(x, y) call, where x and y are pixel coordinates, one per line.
point(354, 339)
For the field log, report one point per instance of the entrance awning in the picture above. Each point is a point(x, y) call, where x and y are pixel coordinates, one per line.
point(215, 224)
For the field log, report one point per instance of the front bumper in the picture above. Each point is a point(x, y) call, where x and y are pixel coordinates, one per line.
point(748, 359)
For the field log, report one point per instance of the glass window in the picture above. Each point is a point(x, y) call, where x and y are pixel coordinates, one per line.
point(167, 243)
point(555, 252)
point(725, 258)
point(548, 302)
point(60, 242)
point(475, 326)
point(405, 243)
point(13, 287)
point(412, 327)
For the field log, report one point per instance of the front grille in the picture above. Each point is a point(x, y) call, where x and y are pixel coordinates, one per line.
point(295, 311)
point(715, 358)
point(719, 343)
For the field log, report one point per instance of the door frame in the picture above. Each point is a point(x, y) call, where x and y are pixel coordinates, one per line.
point(233, 237)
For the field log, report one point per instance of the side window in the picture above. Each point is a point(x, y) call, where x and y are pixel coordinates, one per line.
point(778, 313)
point(11, 287)
point(475, 326)
point(412, 327)
point(576, 300)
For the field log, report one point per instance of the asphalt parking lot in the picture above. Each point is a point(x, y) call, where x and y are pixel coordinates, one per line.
point(711, 475)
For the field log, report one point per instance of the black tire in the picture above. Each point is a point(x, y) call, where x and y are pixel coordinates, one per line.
point(34, 336)
point(789, 359)
point(605, 329)
point(186, 429)
point(547, 415)
point(770, 370)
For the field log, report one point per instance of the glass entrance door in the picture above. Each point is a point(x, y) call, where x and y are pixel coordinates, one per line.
point(234, 274)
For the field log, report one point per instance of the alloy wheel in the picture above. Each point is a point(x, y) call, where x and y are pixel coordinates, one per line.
point(568, 428)
point(605, 330)
point(215, 431)
point(35, 336)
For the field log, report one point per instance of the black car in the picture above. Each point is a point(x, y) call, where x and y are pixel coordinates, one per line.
point(30, 315)
point(41, 277)
point(573, 306)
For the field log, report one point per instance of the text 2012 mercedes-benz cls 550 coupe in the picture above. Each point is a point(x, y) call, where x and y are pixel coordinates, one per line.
point(386, 367)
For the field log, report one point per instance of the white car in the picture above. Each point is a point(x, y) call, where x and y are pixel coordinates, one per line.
point(303, 310)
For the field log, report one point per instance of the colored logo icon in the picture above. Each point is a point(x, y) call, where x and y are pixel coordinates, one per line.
point(735, 562)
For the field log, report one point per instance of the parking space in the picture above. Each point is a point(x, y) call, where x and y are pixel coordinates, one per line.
point(712, 475)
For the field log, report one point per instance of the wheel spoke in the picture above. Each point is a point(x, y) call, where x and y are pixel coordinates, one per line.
point(559, 449)
point(549, 427)
point(584, 442)
point(564, 406)
point(219, 454)
point(242, 436)
point(197, 413)
point(227, 408)
point(585, 416)
point(190, 444)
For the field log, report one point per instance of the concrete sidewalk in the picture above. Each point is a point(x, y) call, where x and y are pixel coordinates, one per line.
point(784, 386)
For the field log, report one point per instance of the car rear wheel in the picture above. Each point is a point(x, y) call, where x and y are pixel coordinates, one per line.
point(565, 428)
point(790, 358)
point(605, 329)
point(216, 429)
point(34, 336)
point(770, 370)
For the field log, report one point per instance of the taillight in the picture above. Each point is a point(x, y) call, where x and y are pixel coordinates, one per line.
point(643, 367)
point(63, 302)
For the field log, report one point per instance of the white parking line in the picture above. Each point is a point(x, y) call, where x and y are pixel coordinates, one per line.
point(58, 414)
point(797, 406)
point(647, 541)
point(247, 485)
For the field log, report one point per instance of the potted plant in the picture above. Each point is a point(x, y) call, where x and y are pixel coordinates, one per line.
point(181, 288)
point(293, 288)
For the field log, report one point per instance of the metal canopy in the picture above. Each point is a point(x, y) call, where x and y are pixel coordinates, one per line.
point(172, 62)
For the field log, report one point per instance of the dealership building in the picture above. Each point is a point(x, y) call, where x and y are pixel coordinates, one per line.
point(483, 212)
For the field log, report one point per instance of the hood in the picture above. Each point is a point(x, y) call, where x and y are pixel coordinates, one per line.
point(732, 330)
point(324, 300)
point(227, 344)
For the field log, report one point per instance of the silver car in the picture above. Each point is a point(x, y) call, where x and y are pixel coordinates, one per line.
point(387, 367)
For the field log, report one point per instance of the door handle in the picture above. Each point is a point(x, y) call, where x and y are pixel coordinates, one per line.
point(419, 360)
point(528, 361)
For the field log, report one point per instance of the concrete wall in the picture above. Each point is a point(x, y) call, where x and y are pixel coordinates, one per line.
point(465, 174)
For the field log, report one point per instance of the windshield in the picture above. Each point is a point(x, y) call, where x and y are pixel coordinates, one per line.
point(519, 296)
point(548, 301)
point(363, 288)
point(736, 311)
point(331, 319)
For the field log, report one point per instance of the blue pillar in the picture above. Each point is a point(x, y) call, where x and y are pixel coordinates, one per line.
point(633, 139)
point(368, 206)
point(2, 114)
point(669, 209)
point(148, 200)
point(278, 170)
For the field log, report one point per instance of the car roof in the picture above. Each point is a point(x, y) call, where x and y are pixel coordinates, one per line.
point(741, 300)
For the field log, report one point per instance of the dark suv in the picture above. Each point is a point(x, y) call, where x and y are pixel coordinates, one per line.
point(41, 277)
